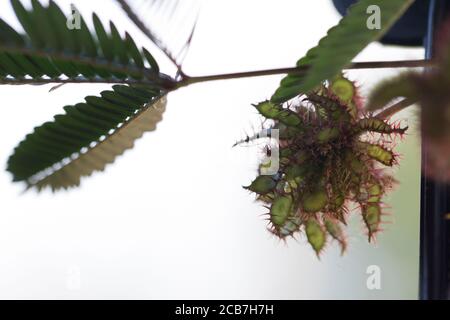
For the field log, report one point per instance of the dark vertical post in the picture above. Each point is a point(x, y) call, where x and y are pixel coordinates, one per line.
point(434, 227)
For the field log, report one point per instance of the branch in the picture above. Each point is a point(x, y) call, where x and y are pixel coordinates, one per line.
point(301, 70)
point(397, 107)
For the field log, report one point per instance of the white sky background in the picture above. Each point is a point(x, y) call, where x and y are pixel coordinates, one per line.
point(169, 219)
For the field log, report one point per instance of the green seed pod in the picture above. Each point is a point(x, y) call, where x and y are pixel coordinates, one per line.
point(343, 88)
point(286, 152)
point(379, 126)
point(266, 198)
point(314, 202)
point(340, 215)
point(262, 184)
point(280, 211)
point(268, 110)
point(372, 218)
point(296, 171)
point(326, 164)
point(286, 132)
point(291, 226)
point(333, 108)
point(347, 92)
point(316, 235)
point(326, 135)
point(355, 164)
point(289, 118)
point(336, 202)
point(334, 229)
point(380, 154)
point(375, 192)
point(276, 112)
point(325, 102)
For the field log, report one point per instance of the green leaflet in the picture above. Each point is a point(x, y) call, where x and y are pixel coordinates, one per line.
point(58, 153)
point(50, 49)
point(342, 43)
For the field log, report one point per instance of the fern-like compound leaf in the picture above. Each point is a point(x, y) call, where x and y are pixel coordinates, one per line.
point(49, 51)
point(86, 138)
point(342, 43)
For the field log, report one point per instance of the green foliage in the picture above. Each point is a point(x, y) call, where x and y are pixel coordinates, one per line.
point(49, 49)
point(93, 133)
point(342, 43)
point(86, 138)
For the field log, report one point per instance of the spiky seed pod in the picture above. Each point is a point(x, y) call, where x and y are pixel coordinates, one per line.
point(316, 235)
point(380, 154)
point(281, 210)
point(379, 126)
point(274, 112)
point(334, 229)
point(347, 92)
point(262, 185)
point(326, 163)
point(371, 214)
point(315, 201)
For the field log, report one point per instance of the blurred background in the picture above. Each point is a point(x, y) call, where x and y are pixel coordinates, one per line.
point(170, 220)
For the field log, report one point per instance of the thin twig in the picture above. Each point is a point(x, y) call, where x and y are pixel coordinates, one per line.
point(169, 84)
point(397, 107)
point(301, 70)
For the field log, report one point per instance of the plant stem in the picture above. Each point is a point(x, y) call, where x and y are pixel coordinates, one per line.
point(397, 107)
point(301, 70)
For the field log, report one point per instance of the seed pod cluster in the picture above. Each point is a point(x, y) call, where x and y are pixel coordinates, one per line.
point(331, 154)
